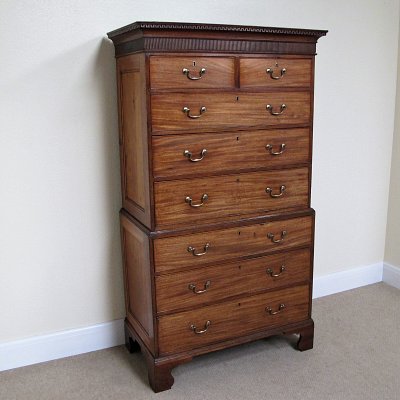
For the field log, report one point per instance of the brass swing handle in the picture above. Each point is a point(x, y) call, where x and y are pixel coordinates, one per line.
point(189, 155)
point(186, 110)
point(271, 273)
point(272, 112)
point(186, 72)
point(192, 250)
point(280, 194)
point(272, 237)
point(269, 147)
point(199, 332)
point(189, 200)
point(270, 71)
point(192, 287)
point(280, 308)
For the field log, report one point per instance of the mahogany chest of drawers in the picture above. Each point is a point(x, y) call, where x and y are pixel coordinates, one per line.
point(217, 230)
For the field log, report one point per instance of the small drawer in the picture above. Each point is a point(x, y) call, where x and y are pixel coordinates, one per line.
point(209, 247)
point(204, 200)
point(186, 154)
point(185, 112)
point(275, 72)
point(191, 72)
point(197, 287)
point(210, 324)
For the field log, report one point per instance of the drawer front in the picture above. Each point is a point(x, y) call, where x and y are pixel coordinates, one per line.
point(176, 333)
point(183, 252)
point(216, 282)
point(204, 200)
point(272, 72)
point(194, 111)
point(186, 154)
point(191, 72)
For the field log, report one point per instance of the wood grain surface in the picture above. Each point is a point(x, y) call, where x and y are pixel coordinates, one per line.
point(232, 279)
point(253, 72)
point(231, 319)
point(166, 72)
point(228, 151)
point(237, 194)
point(227, 110)
point(171, 253)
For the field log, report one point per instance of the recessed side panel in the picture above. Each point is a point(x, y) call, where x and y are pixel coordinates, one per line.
point(137, 280)
point(133, 136)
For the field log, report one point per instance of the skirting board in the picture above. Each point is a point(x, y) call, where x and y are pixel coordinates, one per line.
point(346, 280)
point(62, 344)
point(391, 275)
point(78, 341)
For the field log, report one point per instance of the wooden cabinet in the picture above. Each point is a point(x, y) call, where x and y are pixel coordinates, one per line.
point(215, 130)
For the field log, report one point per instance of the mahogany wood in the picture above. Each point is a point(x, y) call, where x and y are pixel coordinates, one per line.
point(253, 72)
point(227, 110)
point(228, 152)
point(167, 72)
point(232, 279)
point(258, 248)
point(133, 137)
point(172, 253)
point(236, 194)
point(231, 319)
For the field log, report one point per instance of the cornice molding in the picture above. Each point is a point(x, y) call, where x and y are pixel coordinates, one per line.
point(136, 26)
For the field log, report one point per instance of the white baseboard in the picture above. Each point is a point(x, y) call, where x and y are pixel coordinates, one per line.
point(61, 344)
point(346, 280)
point(391, 275)
point(78, 341)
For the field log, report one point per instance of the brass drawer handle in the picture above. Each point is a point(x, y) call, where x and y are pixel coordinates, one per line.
point(189, 155)
point(270, 312)
point(192, 250)
point(272, 237)
point(194, 78)
point(271, 108)
point(271, 273)
point(192, 287)
point(270, 71)
point(197, 332)
point(280, 194)
point(189, 200)
point(186, 110)
point(276, 153)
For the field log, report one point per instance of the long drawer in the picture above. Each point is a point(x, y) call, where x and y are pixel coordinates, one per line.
point(198, 249)
point(191, 72)
point(196, 328)
point(199, 111)
point(206, 199)
point(176, 155)
point(275, 72)
point(217, 282)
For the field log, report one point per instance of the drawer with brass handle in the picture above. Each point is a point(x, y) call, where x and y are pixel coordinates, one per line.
point(179, 155)
point(196, 287)
point(208, 199)
point(275, 72)
point(183, 112)
point(191, 72)
point(245, 315)
point(207, 248)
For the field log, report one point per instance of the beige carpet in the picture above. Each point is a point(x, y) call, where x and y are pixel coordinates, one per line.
point(356, 355)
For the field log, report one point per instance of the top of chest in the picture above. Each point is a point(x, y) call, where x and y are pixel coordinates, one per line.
point(154, 37)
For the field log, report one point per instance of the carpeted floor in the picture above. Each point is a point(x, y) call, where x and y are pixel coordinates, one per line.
point(356, 355)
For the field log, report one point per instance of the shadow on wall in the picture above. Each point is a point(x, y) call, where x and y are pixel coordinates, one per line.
point(105, 72)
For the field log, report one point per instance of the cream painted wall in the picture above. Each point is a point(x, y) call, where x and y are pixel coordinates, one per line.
point(392, 249)
point(59, 250)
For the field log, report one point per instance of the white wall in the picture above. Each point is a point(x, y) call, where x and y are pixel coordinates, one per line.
point(392, 249)
point(59, 248)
